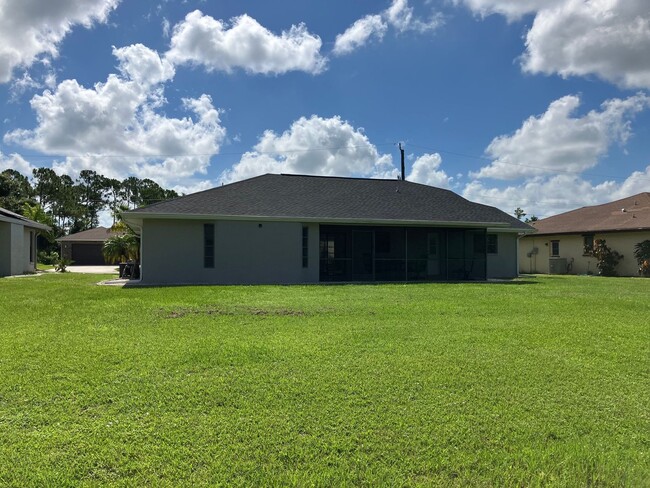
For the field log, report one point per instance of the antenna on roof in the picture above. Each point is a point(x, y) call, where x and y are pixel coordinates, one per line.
point(401, 150)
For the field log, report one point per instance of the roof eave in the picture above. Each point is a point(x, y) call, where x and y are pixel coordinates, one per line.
point(26, 223)
point(590, 231)
point(137, 218)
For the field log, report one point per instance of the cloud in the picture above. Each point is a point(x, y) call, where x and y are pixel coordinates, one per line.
point(547, 196)
point(315, 146)
point(21, 85)
point(359, 33)
point(426, 170)
point(166, 27)
point(202, 40)
point(399, 15)
point(556, 141)
point(142, 65)
point(17, 162)
point(610, 39)
point(115, 126)
point(606, 38)
point(31, 29)
point(512, 9)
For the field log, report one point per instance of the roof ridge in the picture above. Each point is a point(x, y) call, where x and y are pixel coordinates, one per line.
point(333, 177)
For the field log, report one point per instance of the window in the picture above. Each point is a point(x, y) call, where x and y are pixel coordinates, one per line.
point(208, 245)
point(555, 248)
point(588, 244)
point(492, 244)
point(305, 246)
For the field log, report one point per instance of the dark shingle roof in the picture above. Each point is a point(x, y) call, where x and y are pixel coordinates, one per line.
point(19, 219)
point(331, 198)
point(631, 213)
point(98, 234)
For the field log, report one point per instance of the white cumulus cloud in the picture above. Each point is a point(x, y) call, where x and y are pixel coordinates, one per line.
point(114, 126)
point(402, 17)
point(143, 65)
point(17, 162)
point(512, 9)
point(426, 170)
point(315, 146)
point(359, 33)
point(545, 196)
point(557, 141)
point(202, 40)
point(30, 29)
point(606, 38)
point(399, 15)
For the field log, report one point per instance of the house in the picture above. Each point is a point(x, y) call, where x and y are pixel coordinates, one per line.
point(18, 243)
point(311, 229)
point(562, 243)
point(85, 248)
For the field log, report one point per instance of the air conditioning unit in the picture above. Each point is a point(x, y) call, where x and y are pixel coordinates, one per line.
point(557, 266)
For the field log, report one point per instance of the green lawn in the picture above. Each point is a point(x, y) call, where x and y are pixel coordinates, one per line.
point(545, 381)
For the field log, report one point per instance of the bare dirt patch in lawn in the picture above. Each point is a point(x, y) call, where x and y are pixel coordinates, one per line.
point(180, 312)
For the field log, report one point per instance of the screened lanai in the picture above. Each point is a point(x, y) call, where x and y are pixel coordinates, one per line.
point(366, 253)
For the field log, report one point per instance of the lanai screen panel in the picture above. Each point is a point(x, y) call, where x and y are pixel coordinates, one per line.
point(367, 253)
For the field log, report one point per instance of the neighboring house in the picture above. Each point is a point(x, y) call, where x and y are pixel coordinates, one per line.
point(311, 229)
point(85, 248)
point(562, 243)
point(18, 243)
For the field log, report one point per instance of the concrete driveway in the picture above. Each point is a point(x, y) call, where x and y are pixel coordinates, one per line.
point(112, 269)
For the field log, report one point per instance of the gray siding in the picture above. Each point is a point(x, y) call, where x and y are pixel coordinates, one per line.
point(249, 252)
point(5, 248)
point(245, 253)
point(14, 249)
point(504, 263)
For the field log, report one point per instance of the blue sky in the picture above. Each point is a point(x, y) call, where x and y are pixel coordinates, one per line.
point(539, 104)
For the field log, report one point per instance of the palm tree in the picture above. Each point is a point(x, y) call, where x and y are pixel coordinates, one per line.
point(642, 255)
point(121, 248)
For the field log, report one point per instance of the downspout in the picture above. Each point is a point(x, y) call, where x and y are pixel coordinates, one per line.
point(519, 236)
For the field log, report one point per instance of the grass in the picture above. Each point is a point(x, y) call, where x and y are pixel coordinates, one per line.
point(545, 382)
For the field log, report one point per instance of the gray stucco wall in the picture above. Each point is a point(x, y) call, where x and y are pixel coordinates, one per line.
point(504, 263)
point(5, 248)
point(14, 249)
point(245, 252)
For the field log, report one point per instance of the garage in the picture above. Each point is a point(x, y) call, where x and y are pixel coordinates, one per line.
point(87, 254)
point(85, 248)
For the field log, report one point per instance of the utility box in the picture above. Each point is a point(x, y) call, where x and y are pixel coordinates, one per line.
point(557, 266)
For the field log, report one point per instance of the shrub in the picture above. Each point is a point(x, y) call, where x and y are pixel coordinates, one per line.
point(45, 257)
point(62, 264)
point(607, 259)
point(642, 255)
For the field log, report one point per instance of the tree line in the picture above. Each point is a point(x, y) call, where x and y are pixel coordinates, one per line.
point(73, 205)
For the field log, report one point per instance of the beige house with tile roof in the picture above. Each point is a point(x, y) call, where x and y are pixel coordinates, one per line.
point(561, 243)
